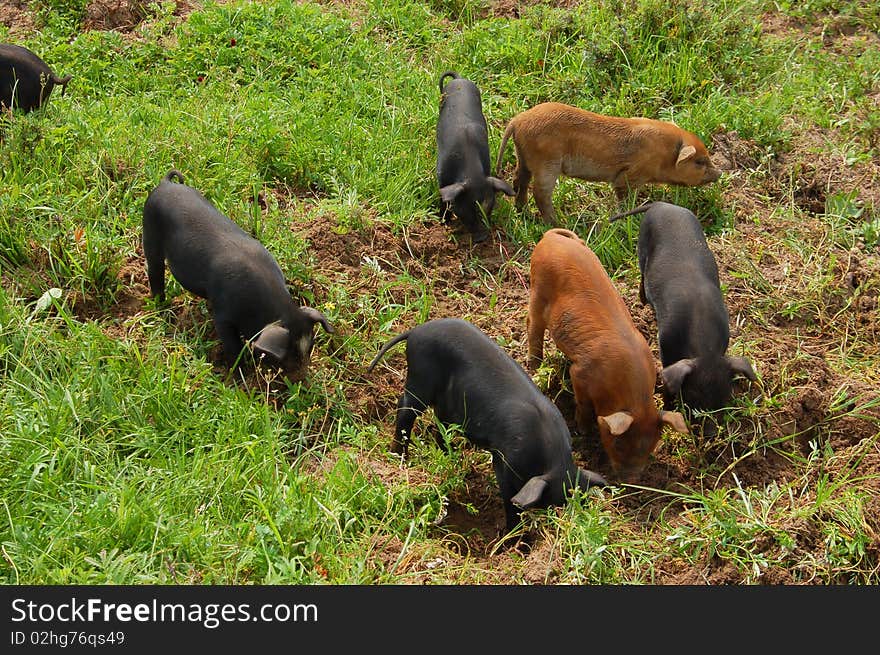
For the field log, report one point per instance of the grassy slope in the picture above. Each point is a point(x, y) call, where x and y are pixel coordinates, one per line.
point(126, 458)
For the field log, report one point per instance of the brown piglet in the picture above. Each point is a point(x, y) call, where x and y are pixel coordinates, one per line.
point(553, 139)
point(612, 369)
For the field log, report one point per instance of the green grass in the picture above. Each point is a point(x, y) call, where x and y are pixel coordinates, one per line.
point(127, 457)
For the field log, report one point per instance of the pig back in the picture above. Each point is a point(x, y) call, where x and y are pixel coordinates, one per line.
point(671, 242)
point(189, 220)
point(588, 319)
point(207, 252)
point(569, 281)
point(461, 103)
point(454, 366)
point(681, 282)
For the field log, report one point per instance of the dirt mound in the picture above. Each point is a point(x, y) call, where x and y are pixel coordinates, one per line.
point(121, 15)
point(17, 16)
point(125, 15)
point(512, 8)
point(731, 152)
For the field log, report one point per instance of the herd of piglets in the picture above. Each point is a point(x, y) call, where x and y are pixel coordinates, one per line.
point(454, 368)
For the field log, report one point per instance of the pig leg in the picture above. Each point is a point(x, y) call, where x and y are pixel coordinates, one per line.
point(583, 413)
point(521, 178)
point(542, 189)
point(503, 476)
point(521, 182)
point(231, 341)
point(621, 185)
point(408, 408)
point(155, 256)
point(621, 192)
point(535, 326)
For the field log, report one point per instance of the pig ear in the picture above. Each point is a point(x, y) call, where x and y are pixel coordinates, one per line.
point(587, 479)
point(618, 422)
point(673, 375)
point(317, 317)
point(685, 153)
point(501, 185)
point(675, 421)
point(530, 494)
point(273, 340)
point(741, 365)
point(450, 192)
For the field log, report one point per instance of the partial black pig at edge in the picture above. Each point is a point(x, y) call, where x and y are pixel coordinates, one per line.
point(26, 81)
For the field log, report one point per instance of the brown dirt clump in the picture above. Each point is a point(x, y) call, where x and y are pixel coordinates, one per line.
point(512, 8)
point(121, 15)
point(125, 16)
point(17, 16)
point(731, 152)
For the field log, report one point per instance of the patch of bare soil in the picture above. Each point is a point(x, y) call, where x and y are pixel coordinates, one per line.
point(838, 32)
point(121, 15)
point(134, 287)
point(512, 8)
point(125, 16)
point(807, 174)
point(475, 513)
point(480, 283)
point(17, 16)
